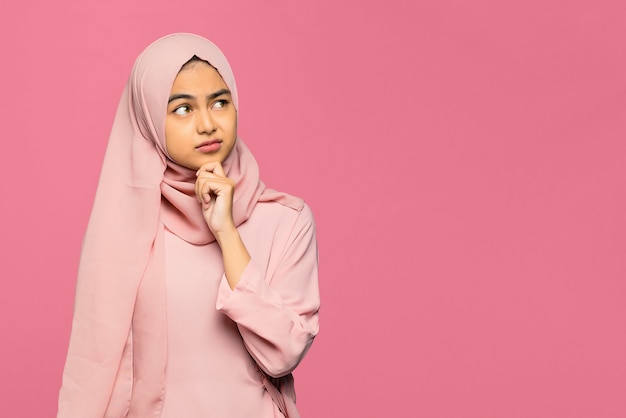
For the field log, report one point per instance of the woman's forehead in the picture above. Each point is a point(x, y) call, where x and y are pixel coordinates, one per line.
point(163, 60)
point(199, 75)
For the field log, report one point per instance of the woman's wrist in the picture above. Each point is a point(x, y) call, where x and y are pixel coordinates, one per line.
point(234, 254)
point(226, 235)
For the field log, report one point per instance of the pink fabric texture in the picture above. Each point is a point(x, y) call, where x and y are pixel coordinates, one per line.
point(119, 333)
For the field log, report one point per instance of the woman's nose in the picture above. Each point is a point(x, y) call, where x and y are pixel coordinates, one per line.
point(205, 123)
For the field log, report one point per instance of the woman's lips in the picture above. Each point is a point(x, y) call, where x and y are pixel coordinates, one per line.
point(209, 146)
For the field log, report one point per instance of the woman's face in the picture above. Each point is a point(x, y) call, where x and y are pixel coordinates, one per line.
point(201, 121)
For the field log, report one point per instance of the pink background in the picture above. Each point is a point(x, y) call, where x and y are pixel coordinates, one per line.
point(464, 159)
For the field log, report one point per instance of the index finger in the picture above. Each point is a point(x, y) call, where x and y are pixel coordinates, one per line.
point(214, 167)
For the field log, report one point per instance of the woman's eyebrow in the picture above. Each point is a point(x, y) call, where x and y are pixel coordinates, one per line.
point(190, 97)
point(179, 96)
point(218, 93)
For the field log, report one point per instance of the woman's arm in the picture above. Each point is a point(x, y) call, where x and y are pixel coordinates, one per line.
point(277, 315)
point(234, 254)
point(215, 192)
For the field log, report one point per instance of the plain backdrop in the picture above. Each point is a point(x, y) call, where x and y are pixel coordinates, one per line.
point(465, 161)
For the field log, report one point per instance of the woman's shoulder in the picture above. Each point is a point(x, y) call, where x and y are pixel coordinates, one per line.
point(284, 199)
point(280, 208)
point(274, 223)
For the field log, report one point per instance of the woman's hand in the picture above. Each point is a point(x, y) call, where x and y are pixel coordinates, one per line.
point(215, 192)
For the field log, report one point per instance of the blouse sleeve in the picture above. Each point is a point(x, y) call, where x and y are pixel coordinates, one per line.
point(277, 315)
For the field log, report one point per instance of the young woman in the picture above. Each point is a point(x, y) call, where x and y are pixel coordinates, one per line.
point(197, 291)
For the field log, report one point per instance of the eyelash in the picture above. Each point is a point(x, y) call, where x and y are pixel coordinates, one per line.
point(181, 107)
point(222, 102)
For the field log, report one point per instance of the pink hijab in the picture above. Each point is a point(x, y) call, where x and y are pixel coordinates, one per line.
point(120, 293)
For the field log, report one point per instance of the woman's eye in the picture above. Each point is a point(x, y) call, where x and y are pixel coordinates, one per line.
point(181, 110)
point(220, 104)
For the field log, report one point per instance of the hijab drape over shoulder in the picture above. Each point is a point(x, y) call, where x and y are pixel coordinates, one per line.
point(120, 293)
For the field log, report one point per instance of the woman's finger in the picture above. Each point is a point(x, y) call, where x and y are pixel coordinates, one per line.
point(207, 185)
point(202, 177)
point(212, 167)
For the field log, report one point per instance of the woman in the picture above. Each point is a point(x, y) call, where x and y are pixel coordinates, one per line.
point(197, 289)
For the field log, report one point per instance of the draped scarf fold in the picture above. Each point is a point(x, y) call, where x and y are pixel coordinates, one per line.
point(120, 289)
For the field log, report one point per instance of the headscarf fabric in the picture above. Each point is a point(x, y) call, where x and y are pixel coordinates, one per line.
point(120, 292)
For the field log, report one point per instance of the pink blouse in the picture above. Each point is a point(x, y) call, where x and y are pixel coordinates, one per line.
point(217, 336)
